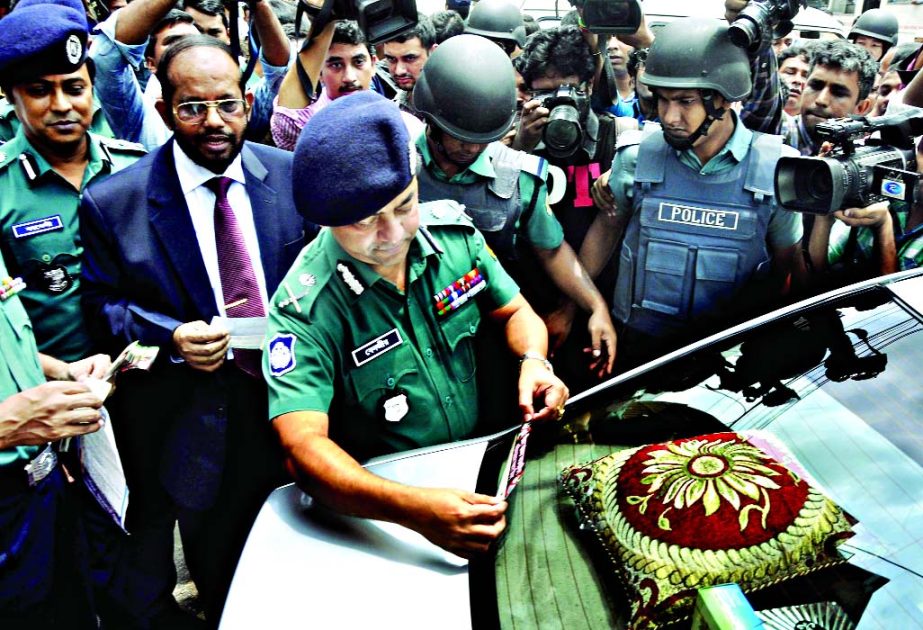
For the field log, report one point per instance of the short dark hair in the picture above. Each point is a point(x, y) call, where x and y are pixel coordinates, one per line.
point(208, 7)
point(530, 24)
point(847, 57)
point(182, 45)
point(636, 59)
point(796, 50)
point(348, 32)
point(447, 24)
point(173, 16)
point(562, 50)
point(423, 30)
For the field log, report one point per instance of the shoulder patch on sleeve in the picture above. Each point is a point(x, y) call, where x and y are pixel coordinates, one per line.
point(281, 350)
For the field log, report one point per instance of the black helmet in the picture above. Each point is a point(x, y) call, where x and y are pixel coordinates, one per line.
point(876, 23)
point(496, 19)
point(467, 89)
point(696, 53)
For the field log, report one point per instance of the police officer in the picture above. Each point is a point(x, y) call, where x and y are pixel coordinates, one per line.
point(502, 189)
point(876, 31)
point(499, 21)
point(370, 340)
point(50, 160)
point(43, 574)
point(695, 198)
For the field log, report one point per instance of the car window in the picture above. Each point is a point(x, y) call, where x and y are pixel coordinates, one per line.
point(836, 385)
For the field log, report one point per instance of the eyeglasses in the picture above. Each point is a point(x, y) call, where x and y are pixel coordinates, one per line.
point(195, 111)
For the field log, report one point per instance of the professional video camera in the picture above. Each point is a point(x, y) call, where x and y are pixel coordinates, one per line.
point(762, 21)
point(610, 17)
point(380, 20)
point(563, 133)
point(853, 176)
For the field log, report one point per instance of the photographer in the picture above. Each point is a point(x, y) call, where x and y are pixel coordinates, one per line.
point(558, 67)
point(859, 243)
point(840, 79)
point(705, 241)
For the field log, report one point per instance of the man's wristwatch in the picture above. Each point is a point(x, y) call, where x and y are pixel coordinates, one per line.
point(536, 357)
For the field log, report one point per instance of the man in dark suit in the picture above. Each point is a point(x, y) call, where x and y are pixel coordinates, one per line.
point(202, 227)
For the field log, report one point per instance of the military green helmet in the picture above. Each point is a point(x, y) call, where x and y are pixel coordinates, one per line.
point(496, 19)
point(876, 23)
point(467, 89)
point(696, 53)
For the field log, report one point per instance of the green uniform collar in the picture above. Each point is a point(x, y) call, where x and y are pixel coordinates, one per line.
point(359, 276)
point(35, 167)
point(481, 167)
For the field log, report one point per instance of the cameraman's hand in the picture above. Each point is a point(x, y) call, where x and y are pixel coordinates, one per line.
point(876, 216)
point(733, 7)
point(534, 118)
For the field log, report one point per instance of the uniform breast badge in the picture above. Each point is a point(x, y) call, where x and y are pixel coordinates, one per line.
point(395, 406)
point(458, 293)
point(10, 286)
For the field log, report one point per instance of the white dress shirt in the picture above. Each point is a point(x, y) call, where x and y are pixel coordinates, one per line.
point(201, 203)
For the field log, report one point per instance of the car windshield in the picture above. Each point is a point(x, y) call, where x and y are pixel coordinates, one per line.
point(835, 385)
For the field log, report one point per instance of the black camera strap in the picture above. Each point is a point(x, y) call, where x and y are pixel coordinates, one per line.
point(318, 22)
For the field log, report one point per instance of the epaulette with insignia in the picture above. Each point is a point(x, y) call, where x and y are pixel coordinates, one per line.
point(628, 138)
point(298, 292)
point(444, 212)
point(122, 145)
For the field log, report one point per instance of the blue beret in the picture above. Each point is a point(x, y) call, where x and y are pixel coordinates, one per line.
point(352, 159)
point(42, 37)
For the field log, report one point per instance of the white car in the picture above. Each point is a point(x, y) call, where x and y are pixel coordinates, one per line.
point(833, 378)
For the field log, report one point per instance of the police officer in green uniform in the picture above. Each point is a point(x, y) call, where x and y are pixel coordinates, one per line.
point(370, 335)
point(48, 163)
point(503, 190)
point(42, 581)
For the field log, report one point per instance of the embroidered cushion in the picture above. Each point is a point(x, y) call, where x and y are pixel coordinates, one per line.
point(694, 512)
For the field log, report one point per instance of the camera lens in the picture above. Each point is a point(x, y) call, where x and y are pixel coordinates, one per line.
point(818, 183)
point(563, 133)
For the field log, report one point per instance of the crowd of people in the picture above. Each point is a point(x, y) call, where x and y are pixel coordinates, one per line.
point(437, 235)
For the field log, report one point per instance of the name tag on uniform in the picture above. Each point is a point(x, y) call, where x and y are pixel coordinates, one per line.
point(699, 217)
point(377, 347)
point(39, 226)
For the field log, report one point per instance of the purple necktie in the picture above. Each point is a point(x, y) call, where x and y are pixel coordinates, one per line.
point(238, 280)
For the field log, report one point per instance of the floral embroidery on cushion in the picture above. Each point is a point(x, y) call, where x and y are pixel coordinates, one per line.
point(695, 512)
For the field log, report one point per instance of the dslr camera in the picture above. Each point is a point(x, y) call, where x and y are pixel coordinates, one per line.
point(569, 108)
point(853, 176)
point(380, 20)
point(763, 21)
point(610, 17)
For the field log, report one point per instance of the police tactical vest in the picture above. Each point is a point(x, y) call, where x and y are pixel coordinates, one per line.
point(693, 241)
point(493, 205)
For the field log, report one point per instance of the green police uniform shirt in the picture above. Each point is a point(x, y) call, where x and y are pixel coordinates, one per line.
point(392, 370)
point(19, 369)
point(542, 229)
point(39, 236)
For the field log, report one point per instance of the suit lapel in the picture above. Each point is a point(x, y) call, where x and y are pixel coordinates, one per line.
point(265, 216)
point(169, 216)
